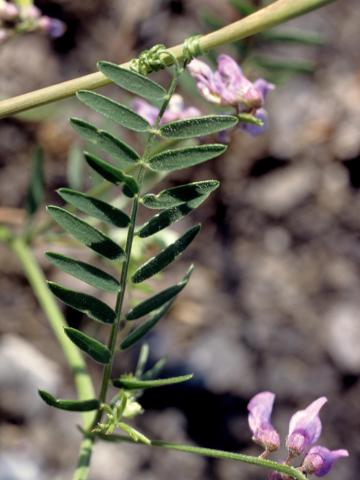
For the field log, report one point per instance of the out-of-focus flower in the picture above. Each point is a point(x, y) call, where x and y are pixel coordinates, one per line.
point(8, 11)
point(30, 12)
point(229, 86)
point(319, 460)
point(54, 27)
point(176, 110)
point(305, 428)
point(264, 434)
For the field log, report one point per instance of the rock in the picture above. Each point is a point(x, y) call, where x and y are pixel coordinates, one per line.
point(23, 370)
point(19, 465)
point(343, 336)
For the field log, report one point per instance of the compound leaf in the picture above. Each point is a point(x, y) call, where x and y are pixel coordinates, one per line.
point(179, 158)
point(95, 349)
point(198, 126)
point(113, 110)
point(175, 196)
point(85, 272)
point(139, 332)
point(95, 208)
point(166, 256)
point(169, 216)
point(86, 234)
point(112, 174)
point(87, 304)
point(70, 405)
point(132, 81)
point(132, 383)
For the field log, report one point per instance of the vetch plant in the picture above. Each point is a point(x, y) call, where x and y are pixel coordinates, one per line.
point(162, 117)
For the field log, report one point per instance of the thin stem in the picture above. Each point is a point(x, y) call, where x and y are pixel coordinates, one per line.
point(210, 452)
point(57, 322)
point(274, 14)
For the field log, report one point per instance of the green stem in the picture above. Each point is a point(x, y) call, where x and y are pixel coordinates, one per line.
point(274, 14)
point(210, 452)
point(57, 322)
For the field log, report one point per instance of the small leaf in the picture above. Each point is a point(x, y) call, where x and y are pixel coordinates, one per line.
point(86, 234)
point(87, 304)
point(85, 272)
point(158, 300)
point(95, 208)
point(119, 150)
point(173, 197)
point(139, 332)
point(134, 434)
point(248, 118)
point(169, 216)
point(70, 405)
point(155, 370)
point(95, 349)
point(166, 256)
point(35, 194)
point(179, 158)
point(112, 174)
point(131, 383)
point(198, 127)
point(113, 110)
point(132, 81)
point(244, 7)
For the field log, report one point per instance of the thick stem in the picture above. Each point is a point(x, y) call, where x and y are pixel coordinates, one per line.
point(57, 322)
point(274, 14)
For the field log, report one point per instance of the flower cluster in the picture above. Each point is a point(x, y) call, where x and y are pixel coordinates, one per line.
point(176, 110)
point(304, 431)
point(228, 86)
point(15, 20)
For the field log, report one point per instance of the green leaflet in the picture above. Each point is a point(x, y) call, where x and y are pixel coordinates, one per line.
point(198, 127)
point(166, 256)
point(244, 7)
point(158, 300)
point(35, 193)
point(69, 405)
point(87, 304)
point(248, 118)
point(113, 110)
point(95, 349)
point(139, 332)
point(86, 234)
point(131, 383)
point(179, 158)
point(119, 150)
point(178, 195)
point(132, 81)
point(111, 174)
point(133, 433)
point(94, 207)
point(85, 272)
point(169, 216)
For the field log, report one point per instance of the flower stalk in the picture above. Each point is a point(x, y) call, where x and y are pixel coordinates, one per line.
point(270, 16)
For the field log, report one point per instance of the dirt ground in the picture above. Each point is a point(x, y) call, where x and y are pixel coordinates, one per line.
point(274, 301)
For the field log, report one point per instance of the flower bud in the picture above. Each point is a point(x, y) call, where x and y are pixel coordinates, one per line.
point(264, 434)
point(54, 27)
point(319, 460)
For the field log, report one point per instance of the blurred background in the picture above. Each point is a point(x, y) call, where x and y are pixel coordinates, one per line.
point(274, 301)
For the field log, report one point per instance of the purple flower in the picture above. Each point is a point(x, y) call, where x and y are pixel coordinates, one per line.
point(229, 86)
point(176, 110)
point(264, 434)
point(54, 27)
point(305, 428)
point(319, 460)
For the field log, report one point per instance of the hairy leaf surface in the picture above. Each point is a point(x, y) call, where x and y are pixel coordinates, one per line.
point(85, 272)
point(131, 383)
point(95, 349)
point(173, 197)
point(87, 304)
point(179, 158)
point(95, 208)
point(132, 81)
point(86, 234)
point(198, 126)
point(113, 110)
point(166, 256)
